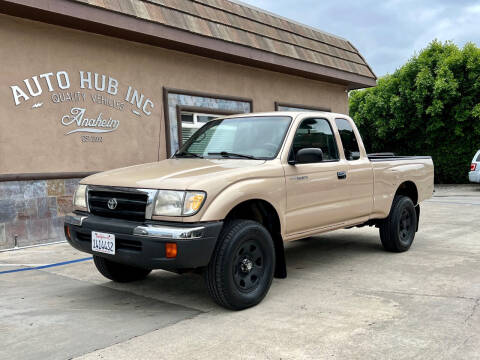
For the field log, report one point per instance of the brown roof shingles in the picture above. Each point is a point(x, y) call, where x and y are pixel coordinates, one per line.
point(236, 23)
point(141, 10)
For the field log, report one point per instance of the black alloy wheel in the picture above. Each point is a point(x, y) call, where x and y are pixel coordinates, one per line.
point(248, 266)
point(397, 231)
point(241, 269)
point(405, 228)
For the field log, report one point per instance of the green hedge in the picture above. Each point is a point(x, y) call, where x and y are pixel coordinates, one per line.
point(429, 106)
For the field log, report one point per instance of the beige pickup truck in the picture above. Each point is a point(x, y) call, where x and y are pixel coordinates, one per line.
point(240, 187)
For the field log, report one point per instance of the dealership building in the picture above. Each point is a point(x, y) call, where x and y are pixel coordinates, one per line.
point(91, 85)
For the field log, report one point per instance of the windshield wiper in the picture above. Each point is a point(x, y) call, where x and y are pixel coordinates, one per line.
point(187, 154)
point(231, 154)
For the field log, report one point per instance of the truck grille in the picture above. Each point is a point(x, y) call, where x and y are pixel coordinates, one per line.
point(129, 206)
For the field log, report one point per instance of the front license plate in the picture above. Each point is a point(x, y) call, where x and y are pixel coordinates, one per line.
point(103, 242)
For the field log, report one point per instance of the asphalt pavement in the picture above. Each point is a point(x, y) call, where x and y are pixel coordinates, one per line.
point(344, 298)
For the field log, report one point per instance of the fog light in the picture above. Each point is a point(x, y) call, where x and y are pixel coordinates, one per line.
point(171, 250)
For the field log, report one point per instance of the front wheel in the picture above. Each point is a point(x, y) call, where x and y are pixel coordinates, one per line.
point(241, 269)
point(119, 272)
point(397, 231)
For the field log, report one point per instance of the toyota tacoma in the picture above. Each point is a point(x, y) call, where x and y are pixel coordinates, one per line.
point(224, 204)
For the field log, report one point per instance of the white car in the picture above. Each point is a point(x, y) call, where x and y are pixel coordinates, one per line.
point(474, 174)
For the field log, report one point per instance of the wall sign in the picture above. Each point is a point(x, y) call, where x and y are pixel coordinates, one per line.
point(92, 88)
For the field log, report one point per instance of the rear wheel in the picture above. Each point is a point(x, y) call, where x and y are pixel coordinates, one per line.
point(241, 269)
point(119, 272)
point(397, 231)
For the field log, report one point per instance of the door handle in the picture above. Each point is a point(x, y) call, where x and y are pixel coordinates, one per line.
point(341, 175)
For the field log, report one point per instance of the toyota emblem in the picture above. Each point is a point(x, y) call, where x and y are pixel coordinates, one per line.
point(112, 203)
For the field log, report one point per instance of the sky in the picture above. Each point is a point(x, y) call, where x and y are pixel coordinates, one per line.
point(389, 32)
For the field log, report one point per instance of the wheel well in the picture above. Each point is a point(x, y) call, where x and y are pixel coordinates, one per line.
point(264, 213)
point(408, 188)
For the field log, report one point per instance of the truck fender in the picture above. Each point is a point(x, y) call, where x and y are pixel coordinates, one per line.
point(238, 193)
point(270, 190)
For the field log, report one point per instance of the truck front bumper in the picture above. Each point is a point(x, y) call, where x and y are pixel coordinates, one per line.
point(142, 244)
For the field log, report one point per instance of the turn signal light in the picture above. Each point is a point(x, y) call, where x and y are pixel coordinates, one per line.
point(171, 250)
point(67, 232)
point(473, 167)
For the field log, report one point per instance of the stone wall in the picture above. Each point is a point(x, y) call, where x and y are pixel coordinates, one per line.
point(31, 212)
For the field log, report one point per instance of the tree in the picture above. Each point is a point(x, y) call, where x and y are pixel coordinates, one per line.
point(429, 106)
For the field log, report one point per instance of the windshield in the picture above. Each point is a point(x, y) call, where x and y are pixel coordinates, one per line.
point(258, 137)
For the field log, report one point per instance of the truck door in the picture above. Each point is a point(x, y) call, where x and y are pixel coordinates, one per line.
point(360, 171)
point(317, 191)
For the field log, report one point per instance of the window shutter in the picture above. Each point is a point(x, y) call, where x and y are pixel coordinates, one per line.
point(187, 132)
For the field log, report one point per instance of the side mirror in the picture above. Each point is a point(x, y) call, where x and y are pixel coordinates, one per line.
point(308, 155)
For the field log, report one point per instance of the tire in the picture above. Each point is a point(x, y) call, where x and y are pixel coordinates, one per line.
point(119, 272)
point(241, 269)
point(398, 230)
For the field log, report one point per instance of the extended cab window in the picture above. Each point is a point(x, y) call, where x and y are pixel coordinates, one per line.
point(316, 133)
point(349, 141)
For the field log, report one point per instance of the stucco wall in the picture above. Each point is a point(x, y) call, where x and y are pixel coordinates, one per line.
point(32, 136)
point(34, 140)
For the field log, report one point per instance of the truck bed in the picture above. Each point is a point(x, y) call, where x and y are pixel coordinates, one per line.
point(392, 157)
point(390, 171)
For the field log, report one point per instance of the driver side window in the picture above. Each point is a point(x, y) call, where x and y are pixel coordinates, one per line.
point(316, 133)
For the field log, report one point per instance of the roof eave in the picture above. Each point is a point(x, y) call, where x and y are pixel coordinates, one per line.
point(93, 19)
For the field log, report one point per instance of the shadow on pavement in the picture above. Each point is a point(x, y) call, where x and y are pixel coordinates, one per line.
point(48, 316)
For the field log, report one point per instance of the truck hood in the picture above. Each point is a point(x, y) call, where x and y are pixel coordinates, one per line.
point(177, 174)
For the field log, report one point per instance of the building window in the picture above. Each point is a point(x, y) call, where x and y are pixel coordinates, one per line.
point(280, 106)
point(191, 109)
point(192, 121)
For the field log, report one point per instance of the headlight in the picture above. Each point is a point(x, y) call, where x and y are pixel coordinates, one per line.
point(80, 198)
point(178, 203)
point(169, 203)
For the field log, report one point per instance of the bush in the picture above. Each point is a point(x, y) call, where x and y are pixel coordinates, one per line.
point(429, 106)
